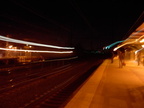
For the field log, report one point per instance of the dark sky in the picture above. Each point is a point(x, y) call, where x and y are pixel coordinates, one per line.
point(90, 24)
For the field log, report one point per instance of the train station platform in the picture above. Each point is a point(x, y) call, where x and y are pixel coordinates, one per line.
point(112, 87)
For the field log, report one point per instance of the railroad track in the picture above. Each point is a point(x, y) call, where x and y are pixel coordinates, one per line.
point(9, 76)
point(47, 90)
point(64, 94)
point(14, 82)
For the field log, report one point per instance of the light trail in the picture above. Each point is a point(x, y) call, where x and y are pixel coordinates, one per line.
point(39, 51)
point(140, 39)
point(111, 45)
point(123, 45)
point(7, 39)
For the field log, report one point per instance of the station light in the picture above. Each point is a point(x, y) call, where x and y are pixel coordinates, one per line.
point(143, 46)
point(10, 46)
point(141, 40)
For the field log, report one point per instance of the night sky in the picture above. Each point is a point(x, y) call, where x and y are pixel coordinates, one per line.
point(89, 24)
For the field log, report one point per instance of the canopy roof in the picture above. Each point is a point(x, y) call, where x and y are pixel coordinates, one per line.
point(135, 36)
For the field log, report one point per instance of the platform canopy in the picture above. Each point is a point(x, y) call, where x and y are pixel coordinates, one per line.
point(135, 36)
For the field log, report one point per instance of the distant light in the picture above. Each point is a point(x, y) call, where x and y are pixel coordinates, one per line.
point(143, 46)
point(39, 51)
point(3, 38)
point(10, 46)
point(115, 49)
point(136, 52)
point(142, 41)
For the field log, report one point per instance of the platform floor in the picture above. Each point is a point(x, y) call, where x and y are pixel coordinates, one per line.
point(112, 87)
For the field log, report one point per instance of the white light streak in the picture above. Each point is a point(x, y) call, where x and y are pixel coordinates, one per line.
point(123, 45)
point(38, 51)
point(128, 43)
point(3, 38)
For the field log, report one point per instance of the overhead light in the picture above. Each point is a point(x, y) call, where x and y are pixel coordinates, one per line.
point(141, 41)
